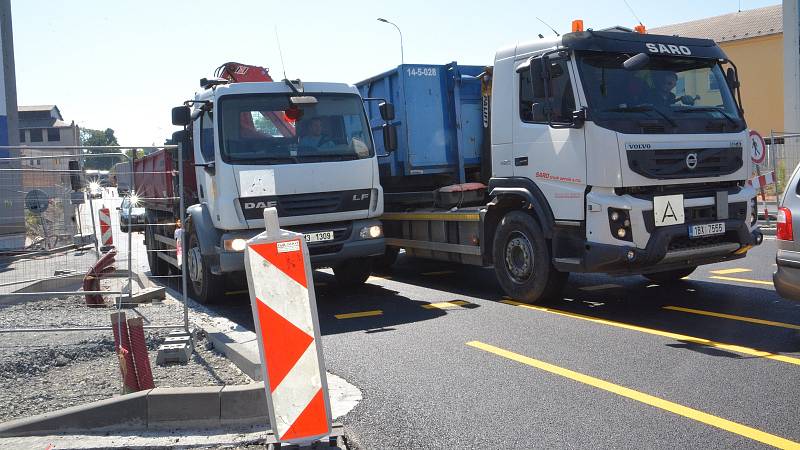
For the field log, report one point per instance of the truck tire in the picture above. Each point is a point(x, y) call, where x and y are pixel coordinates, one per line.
point(522, 260)
point(204, 286)
point(158, 267)
point(353, 272)
point(670, 275)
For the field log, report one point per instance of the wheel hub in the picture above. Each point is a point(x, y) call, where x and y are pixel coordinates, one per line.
point(519, 257)
point(195, 264)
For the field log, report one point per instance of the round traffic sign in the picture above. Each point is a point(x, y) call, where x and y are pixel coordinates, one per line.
point(37, 201)
point(758, 148)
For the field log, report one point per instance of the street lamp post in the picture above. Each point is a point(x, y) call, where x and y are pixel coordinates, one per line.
point(402, 59)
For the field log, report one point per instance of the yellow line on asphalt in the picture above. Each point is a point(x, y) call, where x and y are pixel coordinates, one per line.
point(244, 291)
point(666, 405)
point(730, 271)
point(733, 317)
point(441, 272)
point(354, 315)
point(600, 287)
point(667, 334)
point(446, 305)
point(381, 277)
point(742, 280)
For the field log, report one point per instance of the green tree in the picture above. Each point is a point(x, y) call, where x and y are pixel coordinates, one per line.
point(91, 137)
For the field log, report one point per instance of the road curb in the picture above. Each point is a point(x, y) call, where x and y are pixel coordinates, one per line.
point(154, 409)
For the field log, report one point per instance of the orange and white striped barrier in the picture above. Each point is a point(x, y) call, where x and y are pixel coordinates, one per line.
point(287, 327)
point(105, 228)
point(762, 180)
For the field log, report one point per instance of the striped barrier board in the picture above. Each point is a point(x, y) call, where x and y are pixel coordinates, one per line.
point(762, 180)
point(285, 315)
point(106, 236)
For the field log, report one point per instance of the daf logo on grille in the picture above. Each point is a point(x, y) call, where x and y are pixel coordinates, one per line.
point(691, 160)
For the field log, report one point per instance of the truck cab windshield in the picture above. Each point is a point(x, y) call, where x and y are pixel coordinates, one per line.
point(268, 129)
point(670, 94)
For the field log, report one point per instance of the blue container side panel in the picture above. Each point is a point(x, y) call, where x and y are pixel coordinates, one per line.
point(428, 131)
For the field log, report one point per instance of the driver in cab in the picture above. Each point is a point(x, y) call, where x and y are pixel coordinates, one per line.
point(662, 94)
point(314, 137)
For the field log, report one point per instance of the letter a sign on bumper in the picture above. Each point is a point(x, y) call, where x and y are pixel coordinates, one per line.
point(285, 316)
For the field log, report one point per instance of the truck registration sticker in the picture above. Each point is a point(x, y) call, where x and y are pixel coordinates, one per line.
point(422, 71)
point(288, 246)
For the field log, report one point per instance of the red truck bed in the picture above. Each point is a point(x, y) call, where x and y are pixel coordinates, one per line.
point(156, 180)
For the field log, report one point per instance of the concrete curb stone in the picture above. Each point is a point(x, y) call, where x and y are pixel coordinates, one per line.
point(185, 407)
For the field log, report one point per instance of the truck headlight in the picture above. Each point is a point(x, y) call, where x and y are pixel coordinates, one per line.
point(620, 222)
point(372, 232)
point(235, 245)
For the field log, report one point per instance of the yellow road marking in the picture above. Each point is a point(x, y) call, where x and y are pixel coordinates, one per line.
point(354, 315)
point(733, 317)
point(600, 287)
point(245, 291)
point(742, 280)
point(730, 271)
point(441, 272)
point(667, 334)
point(446, 305)
point(666, 405)
point(380, 277)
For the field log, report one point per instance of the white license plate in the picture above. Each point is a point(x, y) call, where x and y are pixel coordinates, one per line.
point(706, 229)
point(320, 236)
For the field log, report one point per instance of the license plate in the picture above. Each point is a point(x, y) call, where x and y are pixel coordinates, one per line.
point(706, 229)
point(320, 236)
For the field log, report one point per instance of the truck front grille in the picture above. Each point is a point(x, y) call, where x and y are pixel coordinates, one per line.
point(665, 164)
point(307, 204)
point(699, 214)
point(303, 204)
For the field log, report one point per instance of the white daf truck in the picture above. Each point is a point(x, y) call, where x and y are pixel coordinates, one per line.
point(305, 149)
point(608, 151)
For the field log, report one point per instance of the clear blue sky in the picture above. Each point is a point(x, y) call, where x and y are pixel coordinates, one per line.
point(124, 64)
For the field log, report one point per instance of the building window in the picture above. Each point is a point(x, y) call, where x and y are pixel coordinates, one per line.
point(37, 135)
point(22, 135)
point(38, 162)
point(53, 135)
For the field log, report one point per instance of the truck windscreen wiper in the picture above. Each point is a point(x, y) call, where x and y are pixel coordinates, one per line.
point(709, 109)
point(272, 160)
point(643, 108)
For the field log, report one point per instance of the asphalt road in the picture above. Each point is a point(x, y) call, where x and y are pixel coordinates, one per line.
point(445, 361)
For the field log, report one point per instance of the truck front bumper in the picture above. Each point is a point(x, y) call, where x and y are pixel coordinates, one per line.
point(346, 245)
point(661, 253)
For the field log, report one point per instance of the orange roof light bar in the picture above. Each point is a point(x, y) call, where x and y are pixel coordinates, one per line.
point(577, 25)
point(640, 29)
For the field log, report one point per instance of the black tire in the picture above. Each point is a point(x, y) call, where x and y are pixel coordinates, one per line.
point(353, 272)
point(158, 267)
point(204, 286)
point(522, 260)
point(670, 275)
point(387, 260)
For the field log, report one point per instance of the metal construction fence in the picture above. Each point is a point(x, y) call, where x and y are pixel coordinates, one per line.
point(60, 206)
point(783, 155)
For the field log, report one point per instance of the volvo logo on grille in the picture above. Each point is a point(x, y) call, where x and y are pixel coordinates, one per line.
point(691, 160)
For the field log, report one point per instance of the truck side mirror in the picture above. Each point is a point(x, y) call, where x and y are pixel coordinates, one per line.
point(181, 116)
point(731, 78)
point(181, 139)
point(578, 118)
point(389, 138)
point(75, 179)
point(387, 111)
point(636, 61)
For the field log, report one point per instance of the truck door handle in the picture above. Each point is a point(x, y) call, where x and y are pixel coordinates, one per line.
point(521, 161)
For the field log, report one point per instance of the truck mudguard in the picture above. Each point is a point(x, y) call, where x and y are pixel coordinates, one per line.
point(201, 222)
point(527, 189)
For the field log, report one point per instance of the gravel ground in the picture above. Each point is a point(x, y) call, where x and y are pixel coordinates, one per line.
point(41, 372)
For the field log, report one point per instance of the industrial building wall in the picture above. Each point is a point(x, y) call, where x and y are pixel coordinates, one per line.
point(760, 63)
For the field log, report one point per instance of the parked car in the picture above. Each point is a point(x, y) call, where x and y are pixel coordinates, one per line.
point(135, 216)
point(787, 275)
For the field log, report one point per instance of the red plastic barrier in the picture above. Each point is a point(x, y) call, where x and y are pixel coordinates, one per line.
point(139, 346)
point(122, 345)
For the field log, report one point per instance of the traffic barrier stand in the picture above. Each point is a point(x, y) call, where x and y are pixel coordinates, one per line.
point(144, 373)
point(122, 346)
point(106, 236)
point(91, 282)
point(287, 329)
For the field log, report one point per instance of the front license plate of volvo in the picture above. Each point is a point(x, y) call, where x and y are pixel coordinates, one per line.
point(706, 229)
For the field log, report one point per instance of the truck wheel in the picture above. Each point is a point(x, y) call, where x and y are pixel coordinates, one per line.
point(385, 261)
point(158, 267)
point(204, 285)
point(522, 260)
point(670, 275)
point(353, 272)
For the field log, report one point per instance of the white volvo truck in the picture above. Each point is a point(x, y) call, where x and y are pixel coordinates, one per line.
point(610, 151)
point(305, 149)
